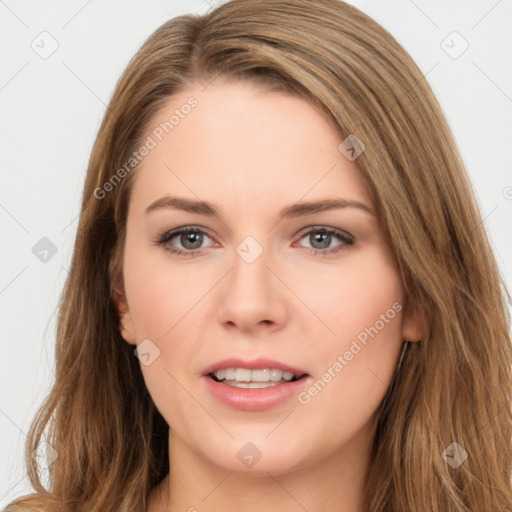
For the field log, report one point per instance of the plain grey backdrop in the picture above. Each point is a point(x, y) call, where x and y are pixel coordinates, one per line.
point(59, 63)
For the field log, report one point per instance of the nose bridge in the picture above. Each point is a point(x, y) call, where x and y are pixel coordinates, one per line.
point(250, 272)
point(251, 294)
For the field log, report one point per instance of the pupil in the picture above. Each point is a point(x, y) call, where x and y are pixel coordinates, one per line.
point(191, 238)
point(323, 237)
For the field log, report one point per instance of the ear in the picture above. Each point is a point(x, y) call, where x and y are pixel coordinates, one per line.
point(413, 326)
point(125, 319)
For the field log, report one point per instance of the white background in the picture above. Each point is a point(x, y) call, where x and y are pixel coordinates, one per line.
point(50, 111)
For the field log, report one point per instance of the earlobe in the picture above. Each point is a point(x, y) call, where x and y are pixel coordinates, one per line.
point(125, 321)
point(126, 334)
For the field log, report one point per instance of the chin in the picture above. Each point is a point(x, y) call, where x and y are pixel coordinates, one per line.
point(258, 455)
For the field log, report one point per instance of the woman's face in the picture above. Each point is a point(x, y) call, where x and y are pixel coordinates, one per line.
point(314, 289)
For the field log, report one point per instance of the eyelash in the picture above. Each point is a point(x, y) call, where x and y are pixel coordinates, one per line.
point(346, 240)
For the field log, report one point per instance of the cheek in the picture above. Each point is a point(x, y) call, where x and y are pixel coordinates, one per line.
point(361, 303)
point(352, 295)
point(161, 308)
point(161, 294)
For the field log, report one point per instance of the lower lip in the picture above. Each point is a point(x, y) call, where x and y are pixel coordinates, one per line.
point(255, 399)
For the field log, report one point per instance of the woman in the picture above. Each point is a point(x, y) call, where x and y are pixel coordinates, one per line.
point(282, 296)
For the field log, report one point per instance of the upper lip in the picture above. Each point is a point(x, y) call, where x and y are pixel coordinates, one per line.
point(254, 364)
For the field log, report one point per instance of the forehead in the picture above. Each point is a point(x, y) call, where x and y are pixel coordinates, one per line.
point(238, 141)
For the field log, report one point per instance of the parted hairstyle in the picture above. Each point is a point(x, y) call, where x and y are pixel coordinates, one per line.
point(454, 385)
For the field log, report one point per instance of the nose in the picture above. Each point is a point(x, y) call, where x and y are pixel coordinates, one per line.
point(252, 297)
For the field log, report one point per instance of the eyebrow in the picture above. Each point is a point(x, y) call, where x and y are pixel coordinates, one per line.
point(294, 210)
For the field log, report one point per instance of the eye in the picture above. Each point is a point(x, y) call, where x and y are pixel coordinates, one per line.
point(320, 237)
point(191, 239)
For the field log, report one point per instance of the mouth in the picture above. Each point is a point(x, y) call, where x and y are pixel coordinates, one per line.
point(255, 378)
point(254, 385)
point(256, 389)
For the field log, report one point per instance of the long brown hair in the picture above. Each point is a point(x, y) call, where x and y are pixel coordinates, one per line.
point(454, 386)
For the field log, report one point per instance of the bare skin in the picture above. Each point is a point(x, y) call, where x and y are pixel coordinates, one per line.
point(251, 153)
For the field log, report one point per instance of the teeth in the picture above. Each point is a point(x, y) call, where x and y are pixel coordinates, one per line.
point(267, 375)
